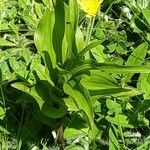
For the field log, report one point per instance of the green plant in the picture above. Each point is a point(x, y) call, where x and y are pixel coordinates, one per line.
point(65, 79)
point(84, 86)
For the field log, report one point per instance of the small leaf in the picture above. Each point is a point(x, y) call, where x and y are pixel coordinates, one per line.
point(146, 13)
point(4, 42)
point(121, 120)
point(89, 47)
point(79, 40)
point(113, 106)
point(2, 113)
point(71, 133)
point(136, 58)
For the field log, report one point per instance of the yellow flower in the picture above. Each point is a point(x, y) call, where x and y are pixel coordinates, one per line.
point(90, 7)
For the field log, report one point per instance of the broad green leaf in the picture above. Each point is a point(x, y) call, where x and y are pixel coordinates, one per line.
point(119, 119)
point(47, 105)
point(81, 98)
point(14, 28)
point(113, 139)
point(70, 103)
point(143, 3)
point(4, 42)
point(65, 49)
point(98, 80)
point(90, 46)
point(43, 37)
point(19, 68)
point(41, 73)
point(138, 55)
point(113, 106)
point(136, 58)
point(115, 92)
point(79, 40)
point(144, 84)
point(110, 68)
point(146, 13)
point(99, 55)
point(73, 14)
point(123, 69)
point(26, 55)
point(94, 133)
point(71, 27)
point(64, 33)
point(71, 133)
point(38, 9)
point(14, 64)
point(112, 47)
point(58, 29)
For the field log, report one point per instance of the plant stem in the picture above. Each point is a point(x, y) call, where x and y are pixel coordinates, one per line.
point(89, 29)
point(60, 134)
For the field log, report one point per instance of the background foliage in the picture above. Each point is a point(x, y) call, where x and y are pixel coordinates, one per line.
point(53, 82)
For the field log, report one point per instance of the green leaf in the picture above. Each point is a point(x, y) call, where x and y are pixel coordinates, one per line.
point(110, 68)
point(144, 145)
point(120, 120)
point(71, 27)
point(74, 147)
point(113, 106)
point(73, 14)
point(79, 40)
point(43, 37)
point(2, 113)
point(41, 73)
point(146, 13)
point(144, 84)
point(99, 55)
point(26, 55)
point(14, 28)
point(3, 130)
point(143, 3)
point(38, 9)
point(115, 92)
point(70, 103)
point(4, 42)
point(113, 139)
point(81, 98)
point(90, 46)
point(59, 29)
point(98, 80)
point(71, 133)
point(136, 58)
point(40, 93)
point(123, 69)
